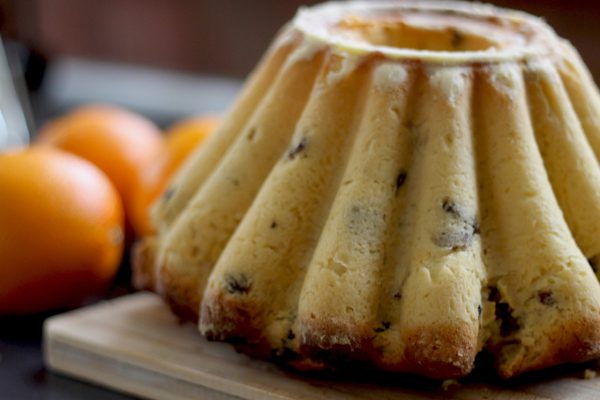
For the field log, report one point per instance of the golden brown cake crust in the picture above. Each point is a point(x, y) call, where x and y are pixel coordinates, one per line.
point(181, 294)
point(337, 345)
point(143, 261)
point(225, 317)
point(573, 341)
point(182, 299)
point(442, 351)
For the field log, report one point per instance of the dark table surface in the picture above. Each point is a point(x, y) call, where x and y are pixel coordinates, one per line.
point(23, 375)
point(22, 371)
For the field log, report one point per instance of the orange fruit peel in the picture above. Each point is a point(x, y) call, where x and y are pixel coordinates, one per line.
point(119, 142)
point(61, 230)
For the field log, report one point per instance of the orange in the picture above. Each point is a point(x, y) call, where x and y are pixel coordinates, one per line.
point(181, 139)
point(61, 230)
point(119, 142)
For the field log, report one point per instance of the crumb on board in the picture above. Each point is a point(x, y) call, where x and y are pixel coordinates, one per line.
point(450, 383)
point(589, 374)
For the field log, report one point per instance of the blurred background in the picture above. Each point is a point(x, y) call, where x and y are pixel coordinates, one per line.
point(172, 58)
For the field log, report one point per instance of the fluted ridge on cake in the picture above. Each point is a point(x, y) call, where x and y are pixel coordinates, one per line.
point(537, 276)
point(273, 245)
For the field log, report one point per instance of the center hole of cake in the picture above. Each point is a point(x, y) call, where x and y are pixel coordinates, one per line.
point(430, 33)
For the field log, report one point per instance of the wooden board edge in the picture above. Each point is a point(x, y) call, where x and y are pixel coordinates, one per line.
point(125, 376)
point(97, 346)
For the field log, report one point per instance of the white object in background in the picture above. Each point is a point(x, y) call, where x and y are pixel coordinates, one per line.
point(69, 82)
point(13, 126)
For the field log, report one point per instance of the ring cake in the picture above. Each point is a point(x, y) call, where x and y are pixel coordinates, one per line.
point(399, 186)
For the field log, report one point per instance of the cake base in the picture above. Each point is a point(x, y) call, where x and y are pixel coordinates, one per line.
point(135, 345)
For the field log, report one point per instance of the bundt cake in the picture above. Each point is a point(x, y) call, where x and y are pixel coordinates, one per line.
point(399, 186)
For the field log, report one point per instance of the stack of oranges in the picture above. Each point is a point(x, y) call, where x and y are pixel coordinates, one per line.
point(69, 202)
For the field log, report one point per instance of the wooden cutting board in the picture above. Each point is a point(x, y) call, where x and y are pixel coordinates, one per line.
point(135, 345)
